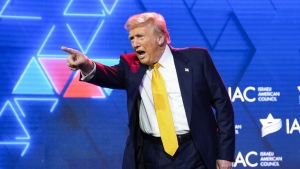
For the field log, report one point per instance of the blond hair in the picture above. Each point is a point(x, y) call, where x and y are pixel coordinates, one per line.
point(156, 21)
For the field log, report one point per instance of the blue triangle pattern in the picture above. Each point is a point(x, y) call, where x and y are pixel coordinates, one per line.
point(190, 3)
point(11, 126)
point(258, 26)
point(84, 8)
point(235, 34)
point(211, 18)
point(283, 5)
point(27, 102)
point(33, 81)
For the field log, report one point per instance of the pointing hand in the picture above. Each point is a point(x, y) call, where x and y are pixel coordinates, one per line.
point(77, 60)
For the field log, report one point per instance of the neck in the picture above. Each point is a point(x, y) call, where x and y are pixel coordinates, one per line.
point(160, 52)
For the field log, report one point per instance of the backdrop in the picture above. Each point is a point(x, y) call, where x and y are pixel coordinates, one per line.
point(50, 120)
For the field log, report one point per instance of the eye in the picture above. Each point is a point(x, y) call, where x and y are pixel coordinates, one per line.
point(131, 39)
point(140, 36)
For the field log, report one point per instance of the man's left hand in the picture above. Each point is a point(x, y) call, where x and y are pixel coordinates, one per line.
point(224, 164)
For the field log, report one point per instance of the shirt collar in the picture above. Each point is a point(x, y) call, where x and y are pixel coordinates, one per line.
point(164, 61)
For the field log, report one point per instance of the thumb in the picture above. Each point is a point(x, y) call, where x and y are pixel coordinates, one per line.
point(69, 50)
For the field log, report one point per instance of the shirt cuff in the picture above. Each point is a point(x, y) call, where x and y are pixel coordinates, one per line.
point(90, 75)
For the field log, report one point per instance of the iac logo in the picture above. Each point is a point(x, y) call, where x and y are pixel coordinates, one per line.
point(237, 94)
point(271, 125)
point(252, 94)
point(254, 159)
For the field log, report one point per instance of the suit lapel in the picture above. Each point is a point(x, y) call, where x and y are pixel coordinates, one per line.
point(184, 73)
point(138, 71)
point(134, 80)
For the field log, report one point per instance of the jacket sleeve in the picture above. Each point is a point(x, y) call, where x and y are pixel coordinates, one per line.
point(109, 76)
point(221, 102)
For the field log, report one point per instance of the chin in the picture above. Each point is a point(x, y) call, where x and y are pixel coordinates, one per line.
point(144, 62)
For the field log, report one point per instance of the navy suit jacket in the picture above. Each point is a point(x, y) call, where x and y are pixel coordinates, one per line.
point(201, 88)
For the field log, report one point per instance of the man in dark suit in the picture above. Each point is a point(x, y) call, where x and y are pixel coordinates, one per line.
point(191, 87)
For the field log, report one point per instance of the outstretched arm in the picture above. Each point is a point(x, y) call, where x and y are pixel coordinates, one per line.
point(77, 60)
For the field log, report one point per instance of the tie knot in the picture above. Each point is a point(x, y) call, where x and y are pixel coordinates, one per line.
point(156, 65)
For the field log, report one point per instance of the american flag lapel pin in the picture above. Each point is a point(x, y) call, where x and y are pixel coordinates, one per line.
point(186, 69)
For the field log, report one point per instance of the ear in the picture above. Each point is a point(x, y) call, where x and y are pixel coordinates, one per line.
point(160, 40)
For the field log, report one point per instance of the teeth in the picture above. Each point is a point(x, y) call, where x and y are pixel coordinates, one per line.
point(142, 56)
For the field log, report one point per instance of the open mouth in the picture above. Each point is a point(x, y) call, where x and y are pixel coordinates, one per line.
point(141, 53)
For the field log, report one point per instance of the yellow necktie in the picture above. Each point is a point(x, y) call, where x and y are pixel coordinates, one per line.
point(163, 112)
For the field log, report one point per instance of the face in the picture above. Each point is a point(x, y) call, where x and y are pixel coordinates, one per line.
point(147, 44)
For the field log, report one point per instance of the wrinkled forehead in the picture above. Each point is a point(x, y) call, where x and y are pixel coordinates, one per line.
point(141, 29)
point(146, 25)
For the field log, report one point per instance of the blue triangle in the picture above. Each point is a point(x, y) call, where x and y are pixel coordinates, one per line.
point(107, 90)
point(211, 18)
point(33, 81)
point(58, 36)
point(257, 26)
point(235, 34)
point(107, 62)
point(3, 4)
point(24, 104)
point(190, 3)
point(84, 8)
point(11, 126)
point(109, 5)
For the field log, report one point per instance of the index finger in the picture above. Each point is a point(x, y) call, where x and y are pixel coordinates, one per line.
point(69, 50)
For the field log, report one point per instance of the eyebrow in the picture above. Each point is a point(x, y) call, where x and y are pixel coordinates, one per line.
point(136, 35)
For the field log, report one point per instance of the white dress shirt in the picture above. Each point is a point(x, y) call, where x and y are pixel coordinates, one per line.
point(148, 121)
